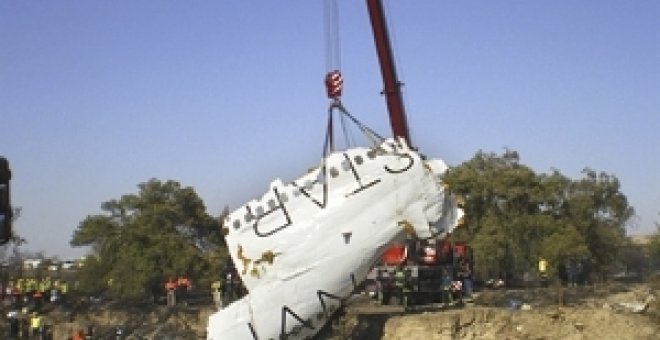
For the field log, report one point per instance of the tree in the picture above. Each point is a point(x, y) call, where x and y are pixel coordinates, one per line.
point(163, 230)
point(515, 216)
point(503, 201)
point(654, 247)
point(9, 252)
point(599, 211)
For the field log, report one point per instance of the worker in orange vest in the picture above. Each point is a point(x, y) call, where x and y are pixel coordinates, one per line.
point(38, 298)
point(183, 286)
point(78, 335)
point(170, 289)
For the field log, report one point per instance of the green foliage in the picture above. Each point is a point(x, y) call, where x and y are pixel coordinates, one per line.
point(564, 243)
point(91, 278)
point(654, 248)
point(142, 238)
point(515, 216)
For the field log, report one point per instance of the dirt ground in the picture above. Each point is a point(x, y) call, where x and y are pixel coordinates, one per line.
point(612, 311)
point(140, 323)
point(147, 321)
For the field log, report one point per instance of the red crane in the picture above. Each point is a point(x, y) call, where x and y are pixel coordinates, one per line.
point(392, 86)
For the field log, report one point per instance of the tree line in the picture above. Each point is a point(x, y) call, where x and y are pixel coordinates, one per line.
point(514, 217)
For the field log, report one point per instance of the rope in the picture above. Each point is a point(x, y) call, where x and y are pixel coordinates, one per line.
point(329, 144)
point(332, 43)
point(334, 86)
point(372, 135)
point(346, 118)
point(349, 140)
point(333, 78)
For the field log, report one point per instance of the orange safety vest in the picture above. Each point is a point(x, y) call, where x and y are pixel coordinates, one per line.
point(183, 281)
point(78, 336)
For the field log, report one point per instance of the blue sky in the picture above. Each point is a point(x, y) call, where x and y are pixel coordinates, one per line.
point(224, 96)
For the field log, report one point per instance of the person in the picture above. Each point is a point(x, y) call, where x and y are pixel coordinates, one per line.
point(570, 273)
point(170, 289)
point(20, 284)
point(43, 286)
point(216, 291)
point(13, 325)
point(400, 283)
point(47, 332)
point(586, 271)
point(54, 295)
point(90, 332)
point(30, 287)
point(579, 272)
point(9, 288)
point(64, 290)
point(35, 324)
point(228, 287)
point(78, 335)
point(16, 297)
point(465, 275)
point(446, 286)
point(24, 324)
point(543, 271)
point(183, 286)
point(457, 290)
point(38, 298)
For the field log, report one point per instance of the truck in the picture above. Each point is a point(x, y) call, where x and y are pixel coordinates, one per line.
point(431, 269)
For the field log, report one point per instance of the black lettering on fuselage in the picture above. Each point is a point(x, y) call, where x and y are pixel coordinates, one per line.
point(304, 192)
point(362, 186)
point(411, 162)
point(304, 323)
point(322, 202)
point(280, 206)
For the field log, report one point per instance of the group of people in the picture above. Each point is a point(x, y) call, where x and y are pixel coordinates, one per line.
point(575, 271)
point(456, 282)
point(34, 291)
point(572, 271)
point(177, 290)
point(27, 296)
point(24, 324)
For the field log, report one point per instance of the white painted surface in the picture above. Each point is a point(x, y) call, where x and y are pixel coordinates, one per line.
point(321, 245)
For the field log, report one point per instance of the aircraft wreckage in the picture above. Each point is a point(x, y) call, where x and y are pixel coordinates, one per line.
point(304, 246)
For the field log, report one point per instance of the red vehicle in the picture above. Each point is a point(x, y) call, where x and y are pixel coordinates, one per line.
point(429, 267)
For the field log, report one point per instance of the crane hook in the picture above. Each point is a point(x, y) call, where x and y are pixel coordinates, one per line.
point(334, 83)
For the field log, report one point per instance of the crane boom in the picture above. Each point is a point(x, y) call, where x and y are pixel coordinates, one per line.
point(392, 86)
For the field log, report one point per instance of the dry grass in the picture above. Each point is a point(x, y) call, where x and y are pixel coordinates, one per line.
point(654, 306)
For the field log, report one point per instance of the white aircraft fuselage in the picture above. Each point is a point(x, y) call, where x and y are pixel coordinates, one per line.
point(303, 247)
